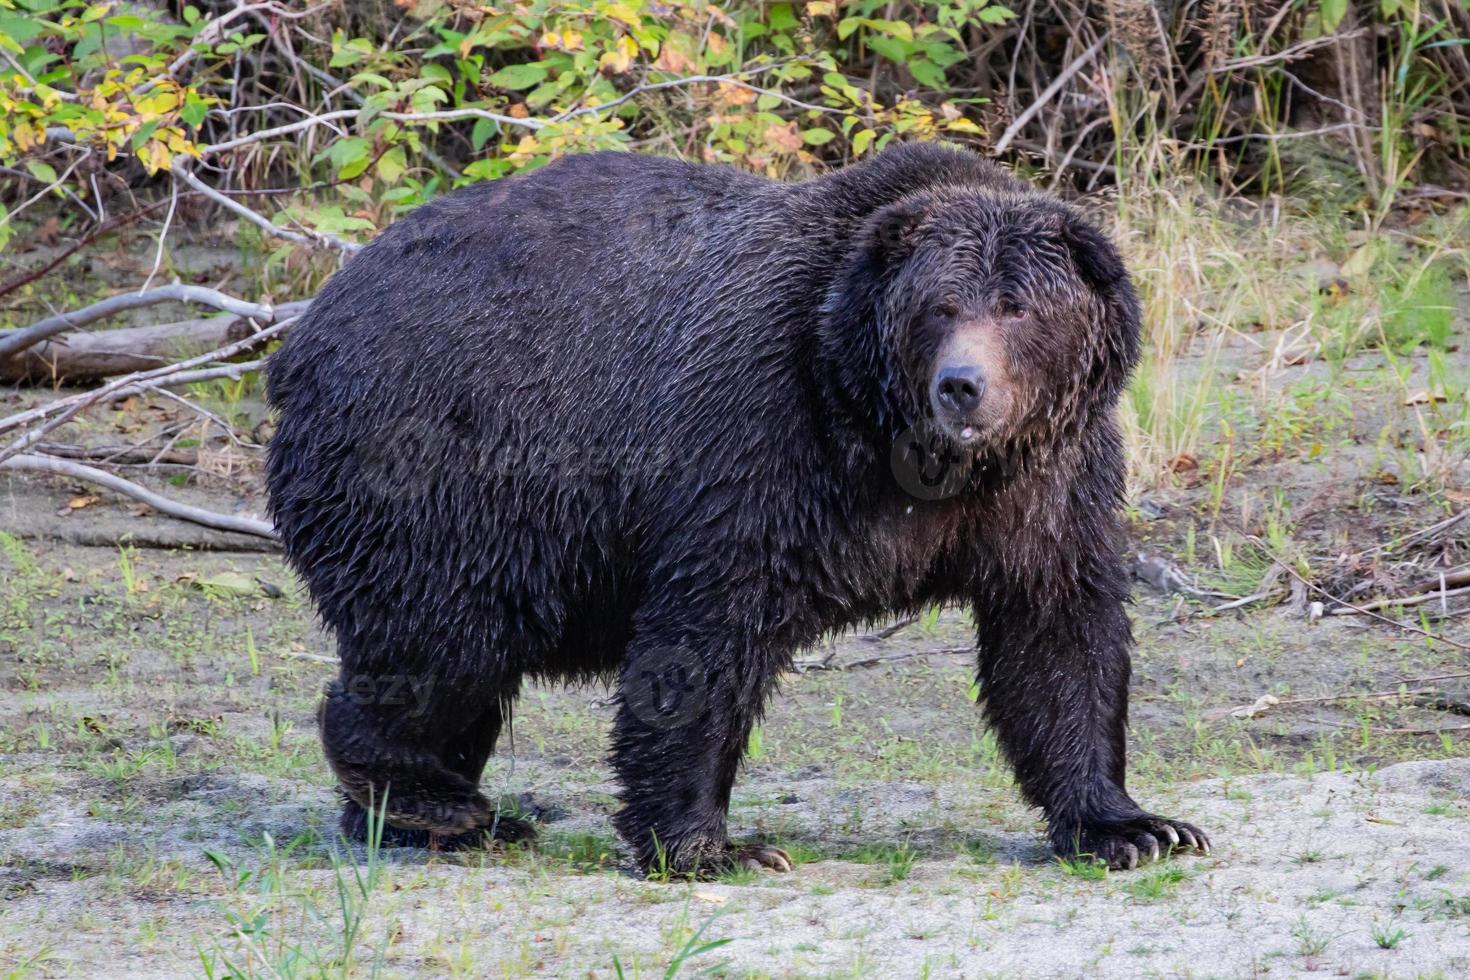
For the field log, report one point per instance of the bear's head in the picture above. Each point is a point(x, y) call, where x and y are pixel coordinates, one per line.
point(997, 318)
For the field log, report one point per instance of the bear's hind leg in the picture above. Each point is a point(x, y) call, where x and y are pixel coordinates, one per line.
point(465, 753)
point(388, 753)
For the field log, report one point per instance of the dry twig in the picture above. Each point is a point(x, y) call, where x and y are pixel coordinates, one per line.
point(184, 512)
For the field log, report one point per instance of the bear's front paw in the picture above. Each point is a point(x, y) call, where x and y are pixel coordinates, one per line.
point(1125, 844)
point(708, 859)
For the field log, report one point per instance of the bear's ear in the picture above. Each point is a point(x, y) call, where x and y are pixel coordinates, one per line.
point(889, 234)
point(1102, 269)
point(1095, 256)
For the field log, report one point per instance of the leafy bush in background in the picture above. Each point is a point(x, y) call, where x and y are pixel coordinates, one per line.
point(378, 106)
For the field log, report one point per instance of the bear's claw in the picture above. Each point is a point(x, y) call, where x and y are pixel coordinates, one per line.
point(1125, 844)
point(756, 857)
point(708, 860)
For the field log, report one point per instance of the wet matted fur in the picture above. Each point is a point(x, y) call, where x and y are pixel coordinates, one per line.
point(632, 418)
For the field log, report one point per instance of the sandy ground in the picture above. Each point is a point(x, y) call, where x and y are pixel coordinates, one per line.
point(1310, 875)
point(164, 810)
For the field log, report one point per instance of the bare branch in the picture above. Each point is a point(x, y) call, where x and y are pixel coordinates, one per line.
point(285, 130)
point(733, 79)
point(259, 220)
point(18, 340)
point(83, 355)
point(1292, 53)
point(1048, 94)
point(232, 371)
point(184, 512)
point(1394, 602)
point(68, 408)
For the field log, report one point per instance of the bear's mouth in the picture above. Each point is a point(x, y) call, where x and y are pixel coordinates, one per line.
point(963, 433)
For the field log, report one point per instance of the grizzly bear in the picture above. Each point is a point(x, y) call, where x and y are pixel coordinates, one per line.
point(665, 424)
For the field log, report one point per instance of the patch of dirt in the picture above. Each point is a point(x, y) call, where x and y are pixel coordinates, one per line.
point(149, 720)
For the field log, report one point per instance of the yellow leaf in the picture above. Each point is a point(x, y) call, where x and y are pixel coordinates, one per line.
point(821, 8)
point(673, 55)
point(735, 94)
point(157, 103)
point(623, 15)
point(620, 59)
point(155, 156)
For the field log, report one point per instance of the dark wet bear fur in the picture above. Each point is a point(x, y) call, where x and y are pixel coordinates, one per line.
point(637, 419)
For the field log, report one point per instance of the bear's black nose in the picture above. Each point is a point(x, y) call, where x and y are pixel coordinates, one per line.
point(959, 389)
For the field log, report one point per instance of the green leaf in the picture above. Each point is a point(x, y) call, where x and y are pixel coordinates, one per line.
point(999, 15)
point(392, 164)
point(516, 78)
point(142, 135)
point(349, 52)
point(364, 77)
point(351, 155)
point(194, 110)
point(483, 130)
point(893, 28)
point(1333, 11)
point(891, 48)
point(926, 72)
point(426, 99)
point(229, 583)
point(817, 137)
point(779, 17)
point(42, 171)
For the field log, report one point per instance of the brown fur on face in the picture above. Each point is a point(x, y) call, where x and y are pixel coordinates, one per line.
point(980, 341)
point(1017, 281)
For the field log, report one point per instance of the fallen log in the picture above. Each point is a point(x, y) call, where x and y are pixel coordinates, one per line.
point(119, 455)
point(81, 355)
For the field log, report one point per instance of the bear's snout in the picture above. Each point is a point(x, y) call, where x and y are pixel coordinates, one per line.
point(958, 388)
point(971, 392)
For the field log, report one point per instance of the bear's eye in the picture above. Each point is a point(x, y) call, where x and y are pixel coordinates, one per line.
point(946, 310)
point(1009, 309)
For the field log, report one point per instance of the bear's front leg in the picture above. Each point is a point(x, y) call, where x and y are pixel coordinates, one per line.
point(686, 710)
point(1054, 671)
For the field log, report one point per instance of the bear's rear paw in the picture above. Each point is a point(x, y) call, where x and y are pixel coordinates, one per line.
point(446, 813)
point(499, 829)
point(1125, 844)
